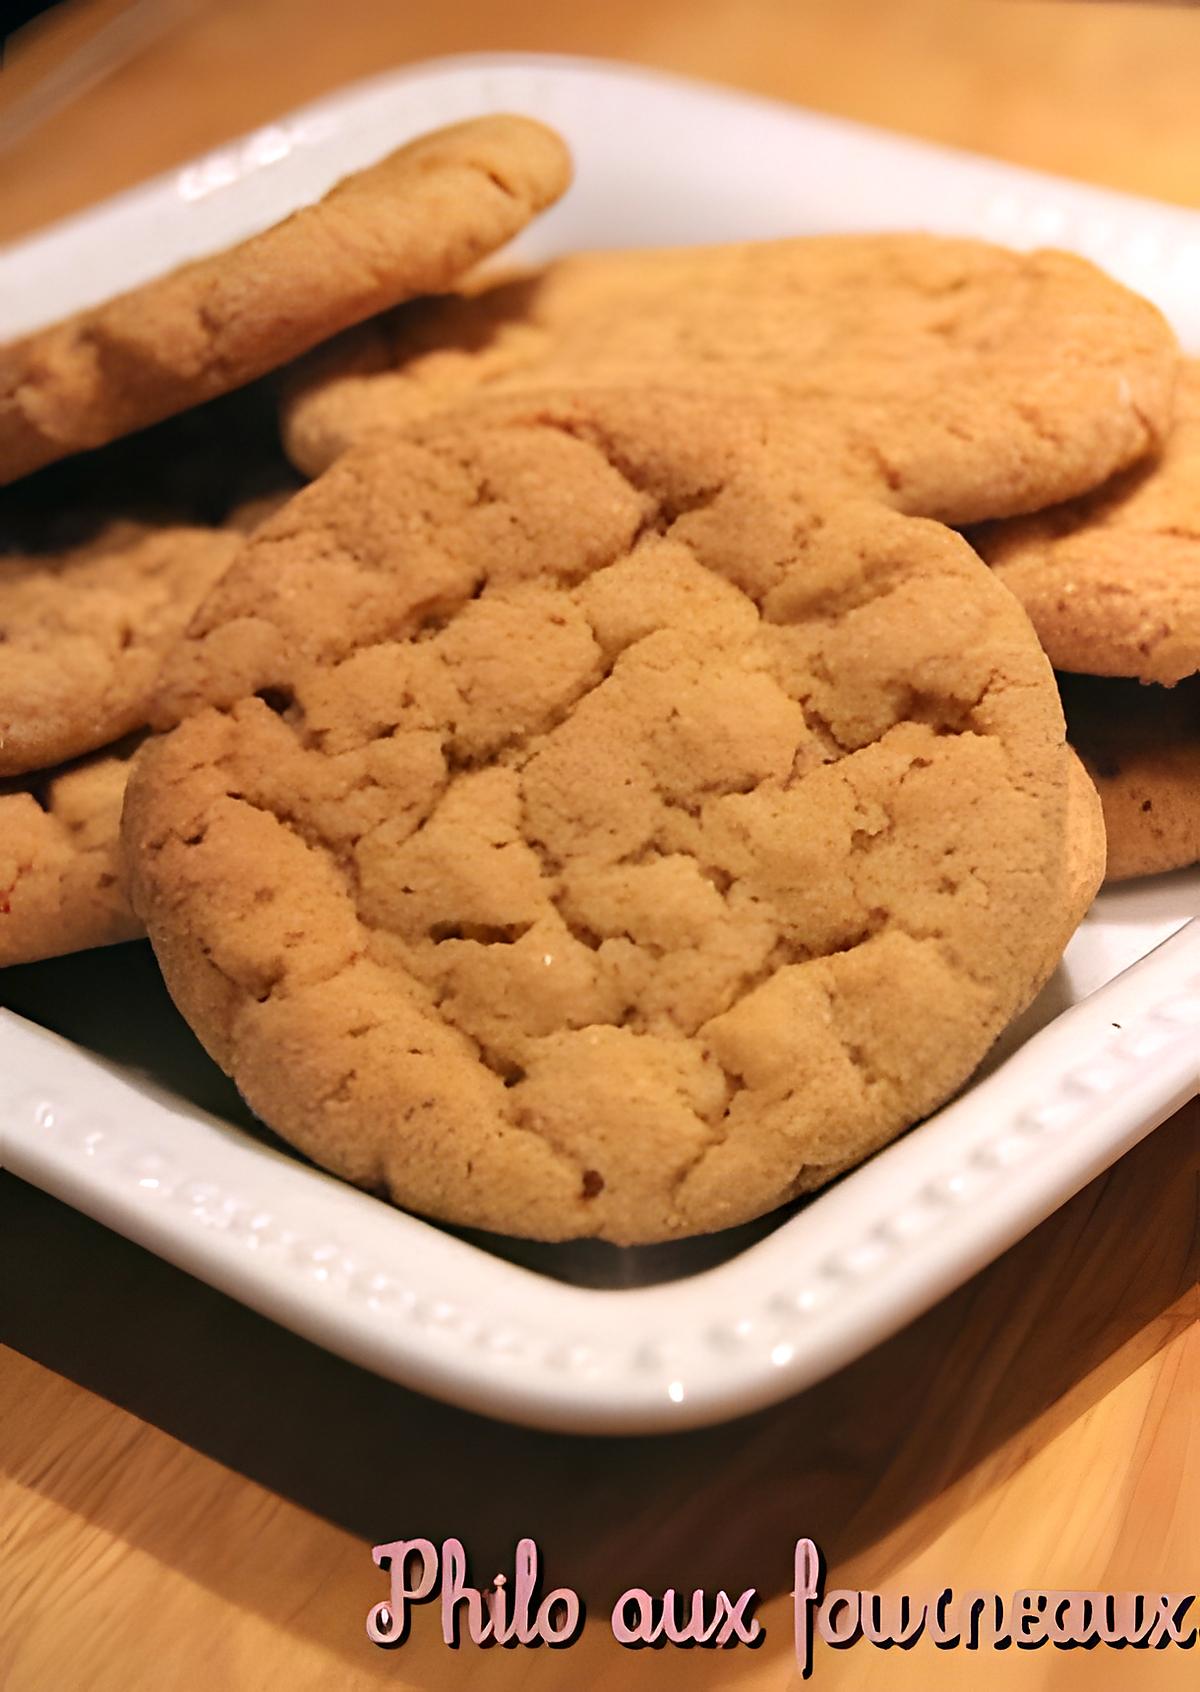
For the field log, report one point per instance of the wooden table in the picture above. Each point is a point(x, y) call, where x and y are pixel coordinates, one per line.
point(188, 1494)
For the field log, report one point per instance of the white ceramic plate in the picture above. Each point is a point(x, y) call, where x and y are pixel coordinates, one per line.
point(588, 1336)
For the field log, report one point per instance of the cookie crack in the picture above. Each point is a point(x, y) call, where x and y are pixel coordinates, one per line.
point(665, 511)
point(857, 1055)
point(6, 893)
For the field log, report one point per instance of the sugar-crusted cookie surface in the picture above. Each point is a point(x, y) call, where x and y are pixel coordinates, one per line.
point(965, 380)
point(408, 225)
point(84, 627)
point(1141, 747)
point(61, 888)
point(592, 824)
point(1112, 580)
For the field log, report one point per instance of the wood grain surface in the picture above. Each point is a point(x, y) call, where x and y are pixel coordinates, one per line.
point(188, 1494)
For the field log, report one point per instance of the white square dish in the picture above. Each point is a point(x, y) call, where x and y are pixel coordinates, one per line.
point(589, 1337)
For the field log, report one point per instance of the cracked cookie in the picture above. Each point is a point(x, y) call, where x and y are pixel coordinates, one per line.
point(1112, 581)
point(84, 627)
point(595, 823)
point(962, 380)
point(103, 559)
point(408, 225)
point(1141, 747)
point(60, 876)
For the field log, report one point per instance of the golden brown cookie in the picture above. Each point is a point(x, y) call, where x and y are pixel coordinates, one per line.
point(1112, 580)
point(408, 225)
point(60, 875)
point(595, 826)
point(84, 627)
point(1141, 746)
point(104, 557)
point(964, 380)
point(1087, 848)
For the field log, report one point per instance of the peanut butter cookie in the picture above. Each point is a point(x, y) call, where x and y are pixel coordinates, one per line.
point(1141, 747)
point(84, 628)
point(103, 559)
point(1112, 581)
point(597, 823)
point(408, 225)
point(60, 879)
point(963, 380)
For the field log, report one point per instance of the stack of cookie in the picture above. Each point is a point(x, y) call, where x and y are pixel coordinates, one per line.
point(1111, 582)
point(104, 558)
point(610, 798)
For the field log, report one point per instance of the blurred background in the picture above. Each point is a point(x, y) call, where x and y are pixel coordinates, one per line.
point(96, 94)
